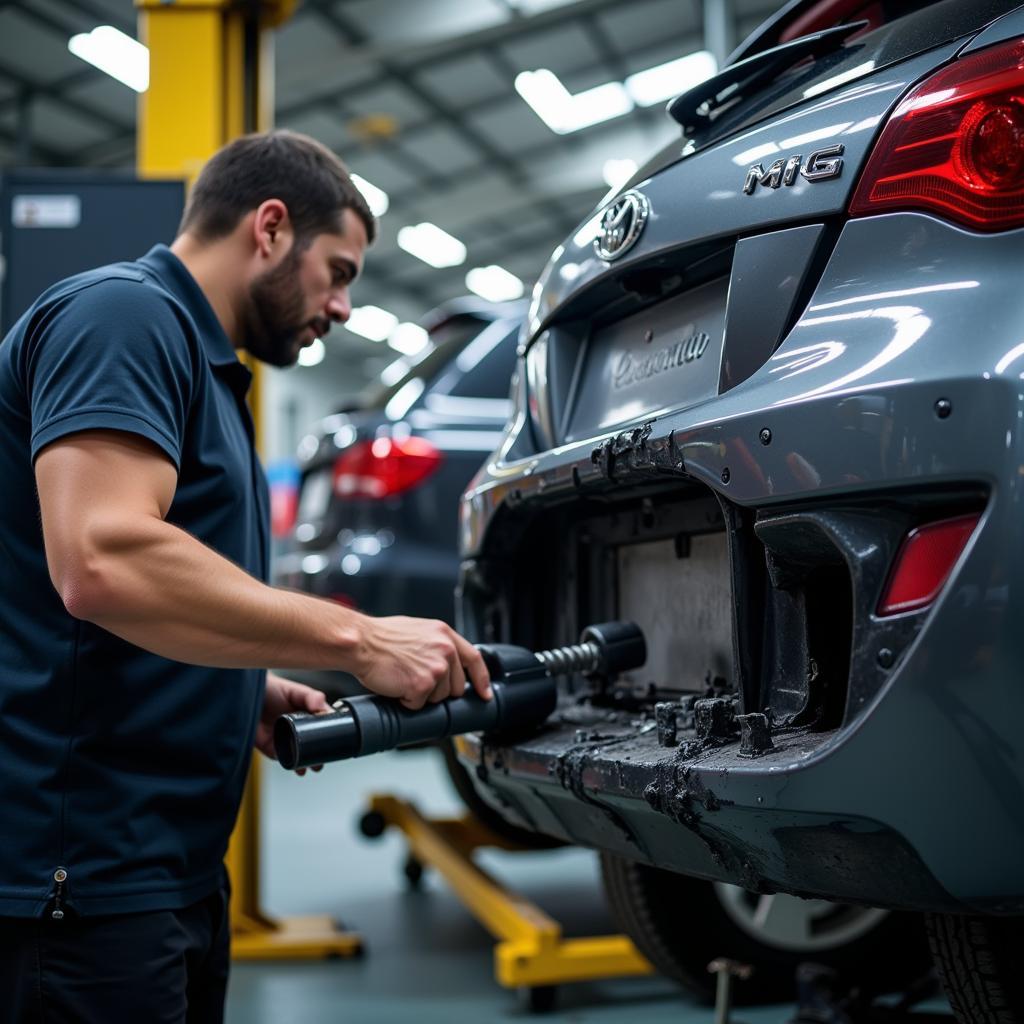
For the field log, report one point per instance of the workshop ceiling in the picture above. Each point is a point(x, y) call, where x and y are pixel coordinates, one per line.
point(417, 96)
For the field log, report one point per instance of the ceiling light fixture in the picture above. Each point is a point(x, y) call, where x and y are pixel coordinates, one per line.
point(409, 339)
point(371, 322)
point(564, 112)
point(663, 82)
point(431, 244)
point(494, 283)
point(114, 53)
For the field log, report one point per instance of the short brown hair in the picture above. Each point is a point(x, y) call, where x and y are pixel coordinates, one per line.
point(304, 174)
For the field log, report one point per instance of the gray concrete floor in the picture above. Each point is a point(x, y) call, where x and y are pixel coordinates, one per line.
point(427, 959)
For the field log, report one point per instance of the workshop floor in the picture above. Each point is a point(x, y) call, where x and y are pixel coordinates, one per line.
point(427, 960)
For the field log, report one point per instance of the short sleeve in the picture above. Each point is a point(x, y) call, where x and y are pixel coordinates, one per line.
point(116, 356)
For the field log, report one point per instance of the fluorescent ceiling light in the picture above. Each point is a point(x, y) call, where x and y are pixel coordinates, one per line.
point(376, 198)
point(548, 98)
point(599, 104)
point(371, 322)
point(110, 50)
point(617, 172)
point(394, 372)
point(657, 84)
point(404, 398)
point(408, 338)
point(312, 354)
point(564, 112)
point(494, 283)
point(429, 243)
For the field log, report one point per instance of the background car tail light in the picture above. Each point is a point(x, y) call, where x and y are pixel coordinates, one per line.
point(924, 562)
point(955, 145)
point(384, 467)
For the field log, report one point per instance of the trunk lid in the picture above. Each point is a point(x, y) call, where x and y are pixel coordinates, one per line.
point(731, 228)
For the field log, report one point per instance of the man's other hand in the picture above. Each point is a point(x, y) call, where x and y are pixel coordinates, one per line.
point(282, 697)
point(418, 661)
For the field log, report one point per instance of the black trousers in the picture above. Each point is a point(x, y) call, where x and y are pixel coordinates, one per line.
point(159, 967)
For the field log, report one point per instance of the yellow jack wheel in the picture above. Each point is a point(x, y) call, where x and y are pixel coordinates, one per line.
point(372, 824)
point(413, 871)
point(540, 998)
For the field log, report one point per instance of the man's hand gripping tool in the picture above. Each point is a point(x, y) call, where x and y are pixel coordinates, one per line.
point(525, 694)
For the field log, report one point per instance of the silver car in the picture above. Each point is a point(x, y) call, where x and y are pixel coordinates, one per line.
point(770, 406)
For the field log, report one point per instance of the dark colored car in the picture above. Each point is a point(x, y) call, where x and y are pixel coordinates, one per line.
point(769, 406)
point(377, 520)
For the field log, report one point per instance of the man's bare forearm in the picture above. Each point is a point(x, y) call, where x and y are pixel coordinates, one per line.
point(157, 587)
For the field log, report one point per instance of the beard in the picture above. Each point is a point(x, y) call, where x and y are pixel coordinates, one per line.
point(274, 321)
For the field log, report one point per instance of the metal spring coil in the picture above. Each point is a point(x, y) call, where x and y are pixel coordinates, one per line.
point(574, 658)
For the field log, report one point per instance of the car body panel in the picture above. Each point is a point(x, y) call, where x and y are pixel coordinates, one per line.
point(701, 199)
point(931, 769)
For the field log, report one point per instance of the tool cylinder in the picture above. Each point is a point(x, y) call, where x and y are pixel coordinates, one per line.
point(525, 694)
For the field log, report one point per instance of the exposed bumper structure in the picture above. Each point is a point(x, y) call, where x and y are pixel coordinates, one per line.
point(906, 790)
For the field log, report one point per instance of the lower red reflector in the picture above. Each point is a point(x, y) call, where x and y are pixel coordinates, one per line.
point(924, 562)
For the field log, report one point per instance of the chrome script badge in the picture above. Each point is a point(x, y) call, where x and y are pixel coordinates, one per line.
point(820, 166)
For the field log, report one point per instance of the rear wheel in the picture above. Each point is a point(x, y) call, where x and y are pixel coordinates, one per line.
point(979, 961)
point(680, 924)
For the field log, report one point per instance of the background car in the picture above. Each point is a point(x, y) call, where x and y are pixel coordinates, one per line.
point(377, 519)
point(769, 409)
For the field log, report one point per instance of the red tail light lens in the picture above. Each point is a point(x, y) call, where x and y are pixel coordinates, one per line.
point(924, 562)
point(955, 145)
point(384, 467)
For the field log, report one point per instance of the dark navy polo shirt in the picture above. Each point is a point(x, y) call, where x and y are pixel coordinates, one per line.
point(121, 767)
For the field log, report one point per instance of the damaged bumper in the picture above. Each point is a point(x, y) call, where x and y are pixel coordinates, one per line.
point(839, 753)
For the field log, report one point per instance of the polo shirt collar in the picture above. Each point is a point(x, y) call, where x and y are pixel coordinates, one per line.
point(177, 279)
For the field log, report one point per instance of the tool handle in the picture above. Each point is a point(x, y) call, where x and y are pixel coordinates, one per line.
point(523, 684)
point(359, 726)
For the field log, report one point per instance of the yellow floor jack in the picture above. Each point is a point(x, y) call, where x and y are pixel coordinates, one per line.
point(531, 954)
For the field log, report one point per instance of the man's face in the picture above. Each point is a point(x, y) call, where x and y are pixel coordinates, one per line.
point(295, 302)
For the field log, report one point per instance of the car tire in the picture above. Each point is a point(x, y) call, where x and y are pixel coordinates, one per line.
point(979, 961)
point(490, 818)
point(681, 924)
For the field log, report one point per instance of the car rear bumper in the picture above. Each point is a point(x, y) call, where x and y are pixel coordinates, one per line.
point(914, 795)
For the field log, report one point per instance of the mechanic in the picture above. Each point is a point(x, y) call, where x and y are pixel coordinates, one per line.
point(135, 631)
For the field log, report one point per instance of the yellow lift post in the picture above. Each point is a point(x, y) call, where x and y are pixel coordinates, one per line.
point(531, 953)
point(211, 80)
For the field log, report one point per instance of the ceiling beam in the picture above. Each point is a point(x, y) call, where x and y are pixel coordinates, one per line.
point(100, 16)
point(503, 162)
point(301, 107)
point(57, 88)
point(49, 91)
point(414, 57)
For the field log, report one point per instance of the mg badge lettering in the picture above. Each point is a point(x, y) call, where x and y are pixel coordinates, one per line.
point(820, 166)
point(630, 369)
point(621, 225)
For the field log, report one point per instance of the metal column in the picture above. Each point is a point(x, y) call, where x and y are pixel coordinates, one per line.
point(211, 80)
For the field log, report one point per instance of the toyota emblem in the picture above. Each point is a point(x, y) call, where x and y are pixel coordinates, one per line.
point(621, 225)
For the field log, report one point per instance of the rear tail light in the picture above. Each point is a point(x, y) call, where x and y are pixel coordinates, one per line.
point(924, 562)
point(384, 467)
point(955, 145)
